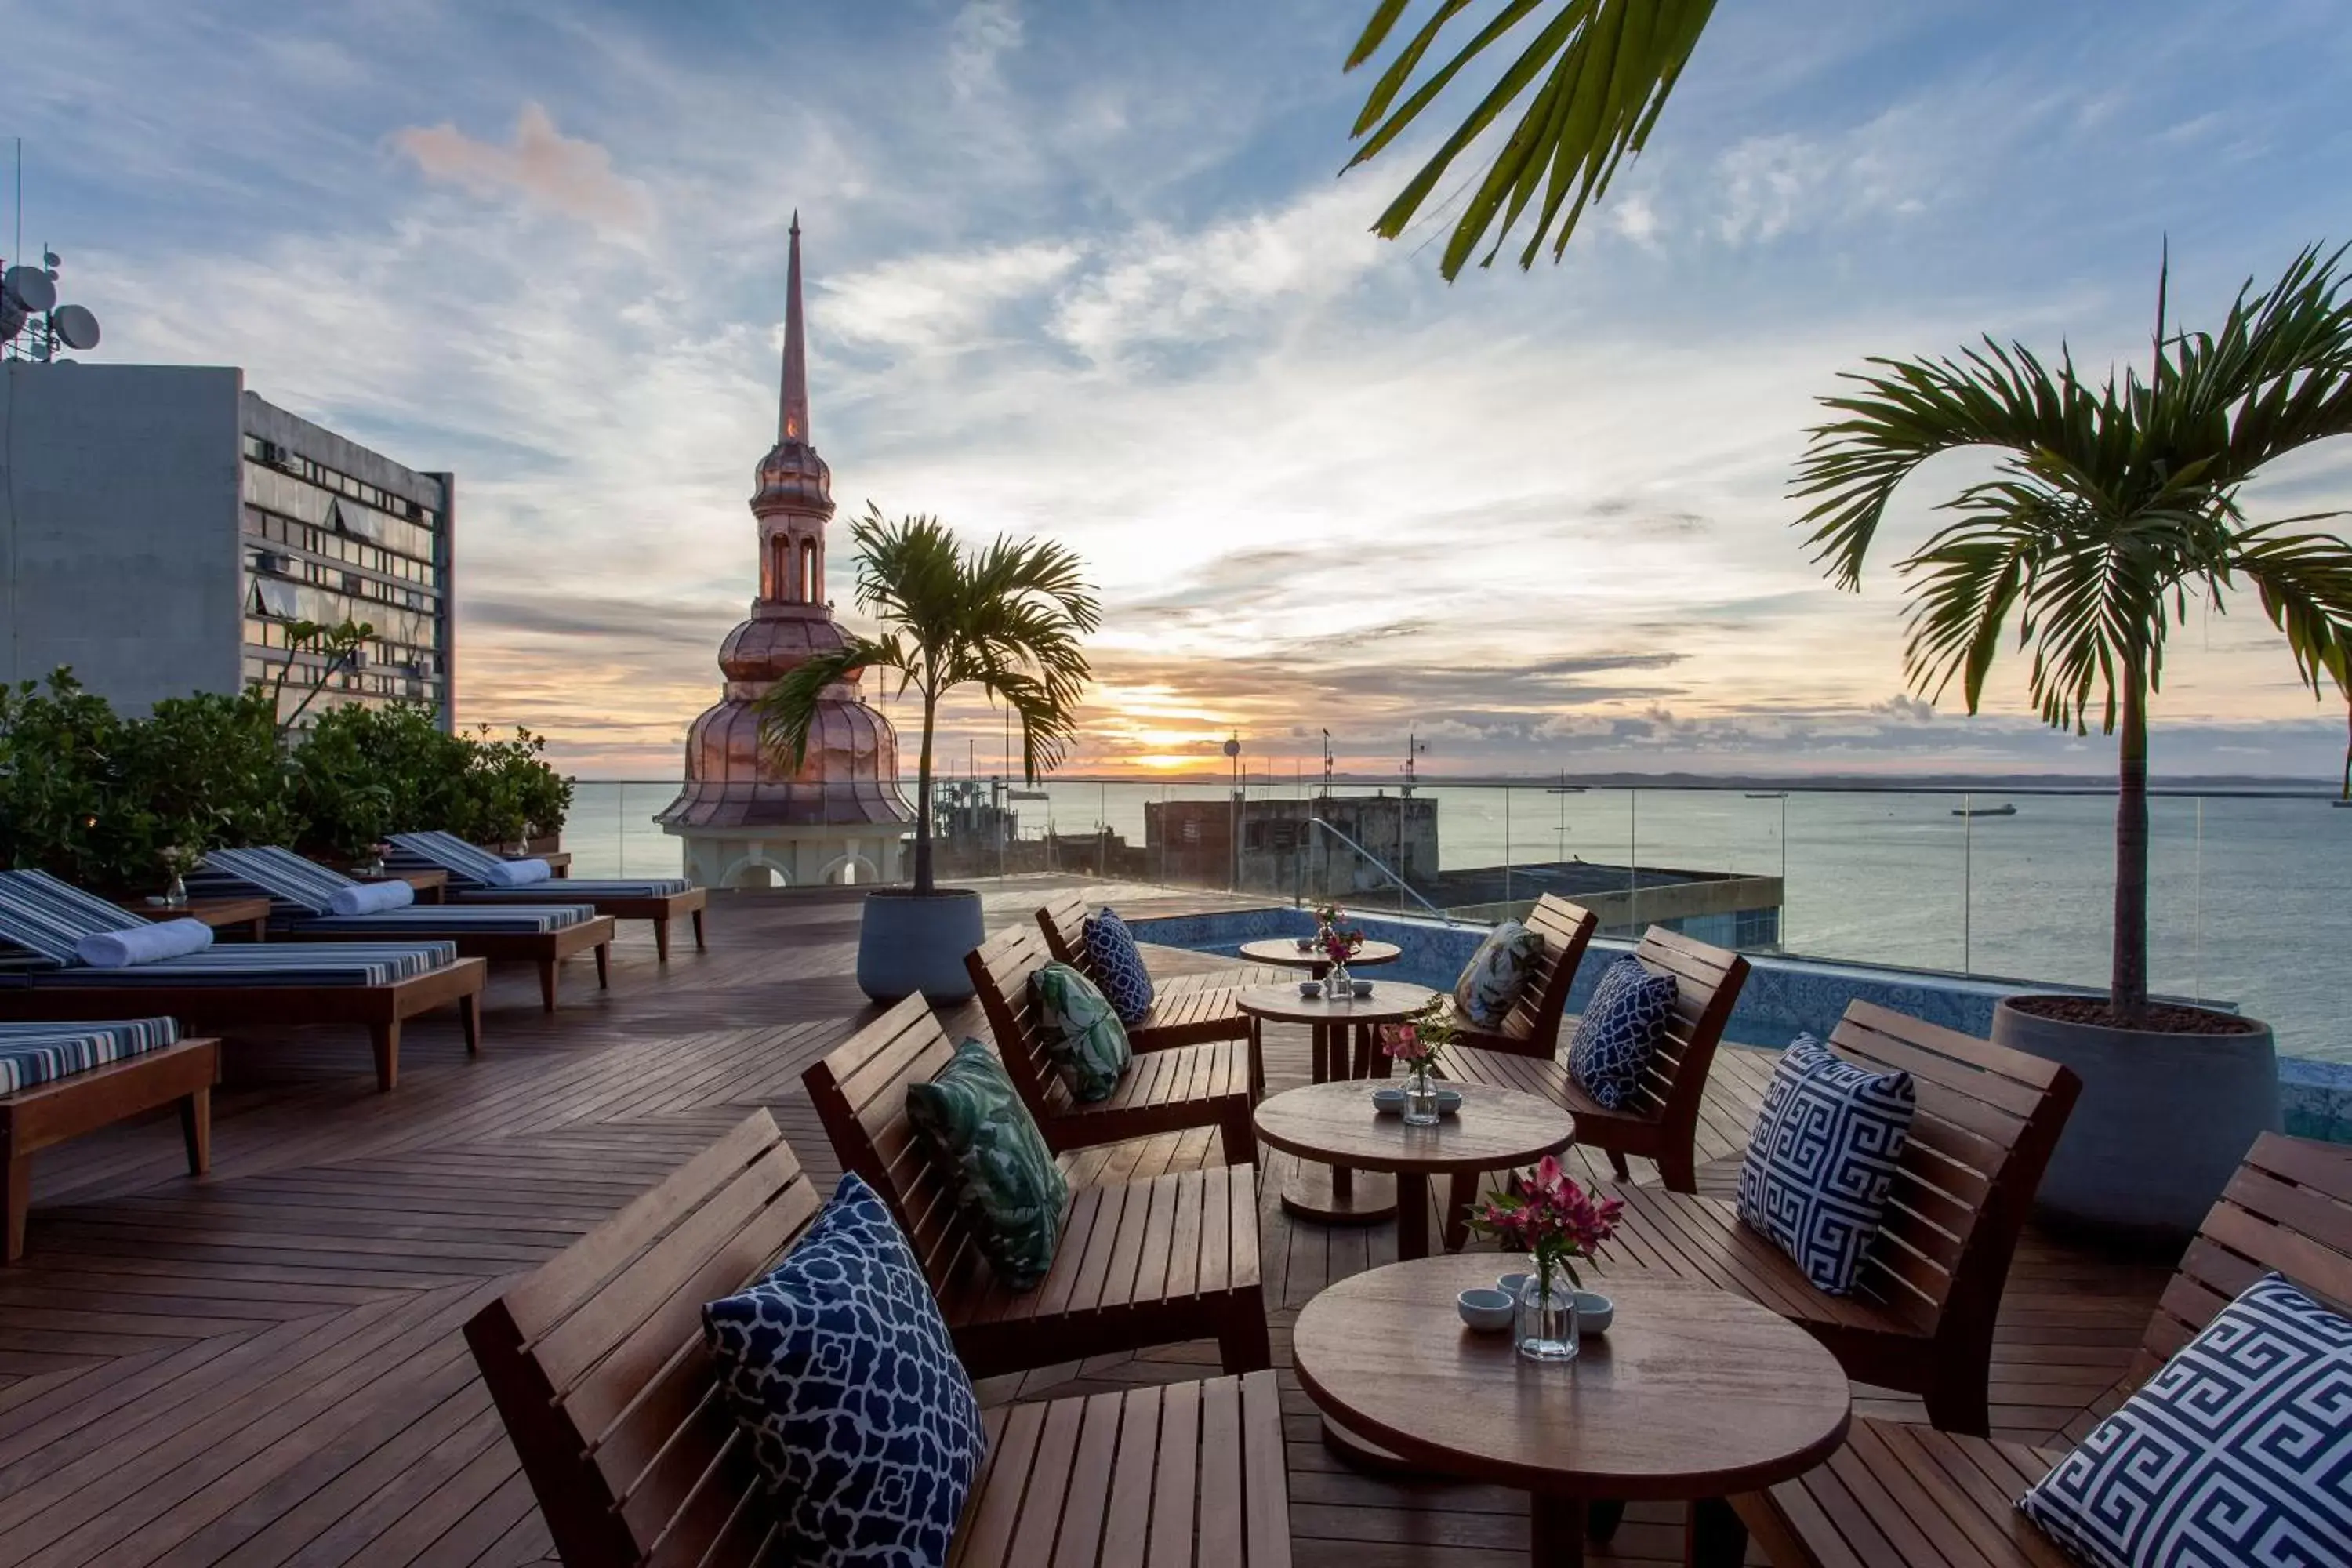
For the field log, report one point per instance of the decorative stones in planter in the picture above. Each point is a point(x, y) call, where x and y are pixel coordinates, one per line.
point(2167, 1112)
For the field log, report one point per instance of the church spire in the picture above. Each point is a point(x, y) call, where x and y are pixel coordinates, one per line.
point(794, 423)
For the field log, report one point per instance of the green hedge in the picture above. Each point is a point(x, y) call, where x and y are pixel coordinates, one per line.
point(105, 801)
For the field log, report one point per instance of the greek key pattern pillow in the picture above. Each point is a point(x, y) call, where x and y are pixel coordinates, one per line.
point(1822, 1157)
point(1491, 982)
point(1618, 1031)
point(1083, 1035)
point(1118, 967)
point(2238, 1450)
point(1005, 1182)
point(839, 1368)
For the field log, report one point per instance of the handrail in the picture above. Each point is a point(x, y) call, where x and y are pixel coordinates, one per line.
point(1403, 886)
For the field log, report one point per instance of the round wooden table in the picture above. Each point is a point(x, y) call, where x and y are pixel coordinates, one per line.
point(1284, 952)
point(1316, 1192)
point(1495, 1129)
point(1694, 1394)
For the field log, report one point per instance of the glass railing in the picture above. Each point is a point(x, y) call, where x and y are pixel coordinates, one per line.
point(2246, 901)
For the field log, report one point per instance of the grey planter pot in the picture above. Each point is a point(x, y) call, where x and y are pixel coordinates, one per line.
point(2162, 1123)
point(906, 945)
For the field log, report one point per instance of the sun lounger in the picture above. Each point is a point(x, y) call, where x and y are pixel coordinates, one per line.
point(60, 1081)
point(249, 984)
point(474, 874)
point(301, 893)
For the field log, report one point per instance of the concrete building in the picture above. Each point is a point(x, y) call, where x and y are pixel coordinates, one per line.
point(160, 527)
point(749, 820)
point(1282, 850)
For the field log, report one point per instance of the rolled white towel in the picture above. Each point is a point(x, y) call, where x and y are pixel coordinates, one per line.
point(143, 944)
point(524, 873)
point(370, 898)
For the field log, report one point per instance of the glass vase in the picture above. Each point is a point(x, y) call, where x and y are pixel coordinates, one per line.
point(1420, 1100)
point(1545, 1323)
point(175, 895)
point(1335, 982)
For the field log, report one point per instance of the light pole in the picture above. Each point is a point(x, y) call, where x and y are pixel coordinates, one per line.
point(1233, 826)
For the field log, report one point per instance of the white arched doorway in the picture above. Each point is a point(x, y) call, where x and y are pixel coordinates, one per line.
point(744, 872)
point(853, 869)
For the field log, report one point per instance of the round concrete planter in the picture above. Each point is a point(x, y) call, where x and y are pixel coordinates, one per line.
point(2163, 1120)
point(907, 943)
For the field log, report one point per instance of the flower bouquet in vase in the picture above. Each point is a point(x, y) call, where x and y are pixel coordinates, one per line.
point(1338, 946)
point(1416, 1044)
point(1555, 1222)
point(178, 860)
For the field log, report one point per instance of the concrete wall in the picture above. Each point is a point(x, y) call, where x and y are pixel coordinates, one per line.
point(118, 521)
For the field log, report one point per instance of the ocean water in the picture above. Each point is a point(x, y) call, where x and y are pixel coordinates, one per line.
point(2251, 898)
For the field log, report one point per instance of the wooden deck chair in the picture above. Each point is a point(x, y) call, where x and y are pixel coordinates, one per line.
point(1141, 1263)
point(1903, 1493)
point(1920, 1317)
point(597, 1364)
point(1167, 1089)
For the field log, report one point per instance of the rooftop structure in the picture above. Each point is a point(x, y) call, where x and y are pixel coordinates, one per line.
point(166, 525)
point(746, 819)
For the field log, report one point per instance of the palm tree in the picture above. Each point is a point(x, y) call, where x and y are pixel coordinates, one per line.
point(1006, 619)
point(2113, 507)
point(1600, 71)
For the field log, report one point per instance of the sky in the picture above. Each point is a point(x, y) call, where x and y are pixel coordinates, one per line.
point(1087, 271)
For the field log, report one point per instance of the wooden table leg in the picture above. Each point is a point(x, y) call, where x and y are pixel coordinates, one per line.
point(1413, 1215)
point(1602, 1517)
point(1555, 1531)
point(1714, 1535)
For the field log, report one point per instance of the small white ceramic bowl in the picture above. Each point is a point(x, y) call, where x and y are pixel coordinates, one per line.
point(1484, 1311)
point(1310, 989)
point(1389, 1102)
point(1594, 1311)
point(1361, 987)
point(1307, 944)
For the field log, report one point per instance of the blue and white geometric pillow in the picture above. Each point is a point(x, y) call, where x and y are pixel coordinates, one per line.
point(1618, 1031)
point(1117, 965)
point(1822, 1157)
point(839, 1367)
point(2238, 1450)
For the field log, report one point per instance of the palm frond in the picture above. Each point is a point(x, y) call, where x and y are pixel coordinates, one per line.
point(1600, 71)
point(2304, 583)
point(788, 709)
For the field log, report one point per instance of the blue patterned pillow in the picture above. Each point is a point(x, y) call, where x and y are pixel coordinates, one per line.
point(1490, 983)
point(1822, 1157)
point(2238, 1450)
point(1618, 1030)
point(1117, 965)
point(839, 1367)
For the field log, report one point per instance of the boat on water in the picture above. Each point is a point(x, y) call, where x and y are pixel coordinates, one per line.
point(1768, 794)
point(1984, 811)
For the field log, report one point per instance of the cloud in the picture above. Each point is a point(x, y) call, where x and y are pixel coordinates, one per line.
point(940, 301)
point(563, 174)
point(983, 33)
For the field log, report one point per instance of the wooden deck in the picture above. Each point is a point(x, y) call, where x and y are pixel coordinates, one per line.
point(264, 1367)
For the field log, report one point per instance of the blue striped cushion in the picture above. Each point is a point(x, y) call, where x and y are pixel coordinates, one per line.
point(428, 920)
point(582, 887)
point(465, 862)
point(273, 963)
point(42, 1053)
point(46, 916)
point(299, 891)
point(294, 886)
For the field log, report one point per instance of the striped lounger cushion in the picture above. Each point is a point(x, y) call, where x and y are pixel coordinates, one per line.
point(473, 868)
point(47, 917)
point(42, 1053)
point(299, 891)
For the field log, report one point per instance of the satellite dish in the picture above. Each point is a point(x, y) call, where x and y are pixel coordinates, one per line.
point(75, 327)
point(12, 319)
point(34, 288)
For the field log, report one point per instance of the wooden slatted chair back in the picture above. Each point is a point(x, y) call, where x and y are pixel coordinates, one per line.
point(999, 970)
point(597, 1363)
point(1988, 1119)
point(860, 1092)
point(1709, 981)
point(1062, 923)
point(1532, 1026)
point(2288, 1209)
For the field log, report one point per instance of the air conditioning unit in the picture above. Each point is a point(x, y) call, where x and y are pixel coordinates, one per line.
point(277, 455)
point(273, 561)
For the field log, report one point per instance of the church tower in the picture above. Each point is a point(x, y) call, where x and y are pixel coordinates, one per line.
point(746, 821)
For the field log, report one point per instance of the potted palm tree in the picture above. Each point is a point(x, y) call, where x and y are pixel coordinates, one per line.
point(2114, 506)
point(1006, 619)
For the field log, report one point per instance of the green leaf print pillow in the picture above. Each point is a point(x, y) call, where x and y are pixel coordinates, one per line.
point(1004, 1179)
point(1083, 1035)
